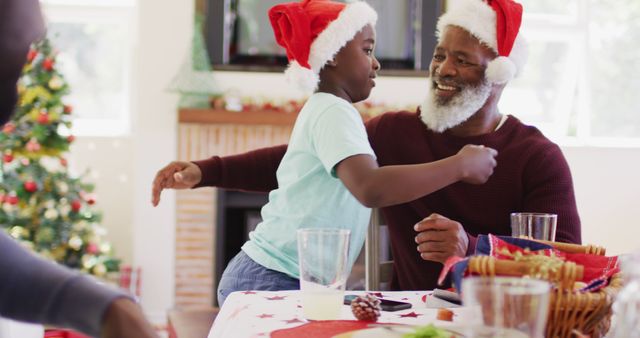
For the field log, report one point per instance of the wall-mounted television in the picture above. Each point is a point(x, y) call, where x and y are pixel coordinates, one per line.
point(239, 36)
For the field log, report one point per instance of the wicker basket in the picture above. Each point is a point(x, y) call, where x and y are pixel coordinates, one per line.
point(570, 311)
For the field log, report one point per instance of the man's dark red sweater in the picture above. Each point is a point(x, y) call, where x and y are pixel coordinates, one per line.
point(532, 175)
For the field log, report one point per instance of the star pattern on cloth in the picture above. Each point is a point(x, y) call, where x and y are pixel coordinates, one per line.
point(293, 321)
point(410, 314)
point(237, 311)
point(265, 316)
point(377, 294)
point(249, 292)
point(276, 298)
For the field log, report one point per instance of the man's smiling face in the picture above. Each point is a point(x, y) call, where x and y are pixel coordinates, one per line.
point(457, 85)
point(459, 60)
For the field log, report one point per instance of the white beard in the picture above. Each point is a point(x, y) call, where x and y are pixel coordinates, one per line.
point(442, 116)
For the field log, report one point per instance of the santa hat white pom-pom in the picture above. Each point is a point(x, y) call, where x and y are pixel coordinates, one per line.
point(500, 70)
point(302, 78)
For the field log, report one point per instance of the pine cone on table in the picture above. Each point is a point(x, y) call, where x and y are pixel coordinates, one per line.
point(366, 308)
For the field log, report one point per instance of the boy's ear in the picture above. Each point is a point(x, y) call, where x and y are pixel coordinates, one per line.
point(332, 62)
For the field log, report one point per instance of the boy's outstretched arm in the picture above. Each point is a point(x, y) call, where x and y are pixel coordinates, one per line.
point(377, 186)
point(251, 171)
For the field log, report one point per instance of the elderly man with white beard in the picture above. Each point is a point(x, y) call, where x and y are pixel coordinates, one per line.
point(479, 50)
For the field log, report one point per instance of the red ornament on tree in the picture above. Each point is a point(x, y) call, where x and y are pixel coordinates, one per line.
point(91, 200)
point(63, 161)
point(71, 138)
point(92, 248)
point(32, 55)
point(43, 118)
point(8, 128)
point(12, 199)
point(47, 64)
point(7, 158)
point(68, 109)
point(33, 146)
point(30, 186)
point(76, 205)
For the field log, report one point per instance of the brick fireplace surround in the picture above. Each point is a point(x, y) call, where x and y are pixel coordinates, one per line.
point(204, 133)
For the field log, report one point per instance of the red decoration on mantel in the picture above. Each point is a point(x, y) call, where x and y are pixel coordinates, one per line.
point(410, 314)
point(251, 104)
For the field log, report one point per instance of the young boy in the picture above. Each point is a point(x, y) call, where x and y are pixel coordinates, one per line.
point(329, 177)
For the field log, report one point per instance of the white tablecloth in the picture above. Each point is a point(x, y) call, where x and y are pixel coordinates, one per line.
point(257, 313)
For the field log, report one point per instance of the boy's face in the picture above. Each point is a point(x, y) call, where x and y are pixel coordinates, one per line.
point(356, 66)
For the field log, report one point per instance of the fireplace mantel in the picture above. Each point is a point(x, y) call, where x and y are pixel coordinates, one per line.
point(219, 116)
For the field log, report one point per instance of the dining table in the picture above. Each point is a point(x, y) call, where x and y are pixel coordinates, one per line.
point(249, 314)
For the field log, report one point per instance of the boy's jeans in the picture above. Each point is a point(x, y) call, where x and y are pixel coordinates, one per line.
point(244, 274)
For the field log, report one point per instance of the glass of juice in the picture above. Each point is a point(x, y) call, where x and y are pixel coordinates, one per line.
point(322, 257)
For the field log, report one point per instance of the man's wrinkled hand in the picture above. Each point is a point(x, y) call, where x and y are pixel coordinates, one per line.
point(440, 238)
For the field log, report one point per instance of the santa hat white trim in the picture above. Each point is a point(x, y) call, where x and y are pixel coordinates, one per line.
point(479, 19)
point(301, 77)
point(352, 19)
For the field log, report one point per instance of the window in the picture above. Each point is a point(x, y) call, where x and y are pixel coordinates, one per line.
point(94, 41)
point(581, 82)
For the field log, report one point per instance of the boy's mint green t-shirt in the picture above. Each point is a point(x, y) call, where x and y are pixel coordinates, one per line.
point(309, 195)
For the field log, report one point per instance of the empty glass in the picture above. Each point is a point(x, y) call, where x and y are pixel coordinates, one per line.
point(322, 256)
point(505, 304)
point(534, 225)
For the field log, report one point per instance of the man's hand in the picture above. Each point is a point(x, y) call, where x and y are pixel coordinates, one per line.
point(440, 238)
point(176, 175)
point(124, 319)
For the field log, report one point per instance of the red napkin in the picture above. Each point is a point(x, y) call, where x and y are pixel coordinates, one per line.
point(321, 329)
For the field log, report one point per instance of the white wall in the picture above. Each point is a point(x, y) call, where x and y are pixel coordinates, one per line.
point(109, 161)
point(607, 189)
point(163, 37)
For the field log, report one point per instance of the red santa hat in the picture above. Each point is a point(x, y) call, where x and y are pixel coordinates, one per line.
point(313, 31)
point(496, 23)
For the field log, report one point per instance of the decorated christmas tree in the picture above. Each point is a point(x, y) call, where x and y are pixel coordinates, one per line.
point(42, 204)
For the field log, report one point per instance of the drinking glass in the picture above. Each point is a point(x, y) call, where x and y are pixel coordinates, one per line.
point(507, 304)
point(322, 257)
point(534, 225)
